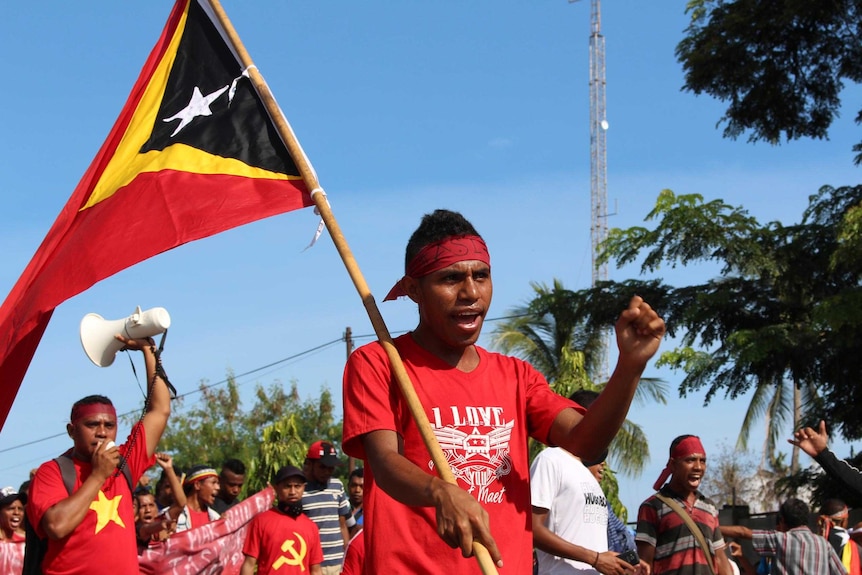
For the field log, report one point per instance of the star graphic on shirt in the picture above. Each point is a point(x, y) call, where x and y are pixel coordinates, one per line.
point(199, 105)
point(107, 510)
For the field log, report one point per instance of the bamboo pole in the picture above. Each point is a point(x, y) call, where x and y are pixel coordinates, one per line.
point(319, 197)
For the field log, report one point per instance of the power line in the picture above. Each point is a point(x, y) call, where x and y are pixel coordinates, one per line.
point(201, 388)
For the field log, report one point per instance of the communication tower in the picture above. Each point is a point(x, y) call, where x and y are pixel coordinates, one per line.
point(598, 162)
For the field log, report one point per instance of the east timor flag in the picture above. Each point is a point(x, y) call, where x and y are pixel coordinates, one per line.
point(192, 154)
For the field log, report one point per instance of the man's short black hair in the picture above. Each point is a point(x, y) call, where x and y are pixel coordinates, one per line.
point(794, 512)
point(235, 466)
point(436, 226)
point(829, 507)
point(358, 472)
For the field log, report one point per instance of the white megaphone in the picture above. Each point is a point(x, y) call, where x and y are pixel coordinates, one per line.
point(97, 333)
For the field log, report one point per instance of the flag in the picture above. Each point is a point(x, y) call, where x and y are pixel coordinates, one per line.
point(193, 153)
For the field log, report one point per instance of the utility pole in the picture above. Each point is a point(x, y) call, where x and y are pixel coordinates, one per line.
point(348, 340)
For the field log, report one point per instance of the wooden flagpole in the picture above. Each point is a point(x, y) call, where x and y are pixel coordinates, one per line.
point(319, 197)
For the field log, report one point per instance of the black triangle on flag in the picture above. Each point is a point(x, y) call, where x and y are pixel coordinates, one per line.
point(210, 105)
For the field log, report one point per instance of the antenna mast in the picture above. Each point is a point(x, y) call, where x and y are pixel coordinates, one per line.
point(598, 164)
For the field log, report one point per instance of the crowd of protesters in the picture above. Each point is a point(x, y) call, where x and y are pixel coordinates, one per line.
point(398, 515)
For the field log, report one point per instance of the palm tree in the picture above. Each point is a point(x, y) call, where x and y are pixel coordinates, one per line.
point(551, 333)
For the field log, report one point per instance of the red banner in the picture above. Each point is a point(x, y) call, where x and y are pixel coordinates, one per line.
point(209, 549)
point(11, 557)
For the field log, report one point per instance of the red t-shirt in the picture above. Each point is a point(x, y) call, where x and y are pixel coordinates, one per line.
point(283, 544)
point(105, 541)
point(481, 419)
point(354, 555)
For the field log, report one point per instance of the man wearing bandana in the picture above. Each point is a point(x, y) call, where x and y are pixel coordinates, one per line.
point(482, 408)
point(663, 539)
point(92, 530)
point(283, 540)
point(200, 486)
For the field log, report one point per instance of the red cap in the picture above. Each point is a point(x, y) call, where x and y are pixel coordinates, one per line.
point(324, 452)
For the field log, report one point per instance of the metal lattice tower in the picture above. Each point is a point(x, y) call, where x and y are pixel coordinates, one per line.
point(598, 162)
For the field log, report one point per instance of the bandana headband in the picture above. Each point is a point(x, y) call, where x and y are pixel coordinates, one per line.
point(686, 447)
point(199, 474)
point(91, 409)
point(438, 255)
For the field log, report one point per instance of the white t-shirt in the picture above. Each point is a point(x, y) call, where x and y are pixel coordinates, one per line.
point(577, 508)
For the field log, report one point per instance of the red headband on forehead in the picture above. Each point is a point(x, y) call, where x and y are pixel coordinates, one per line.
point(438, 255)
point(686, 447)
point(90, 409)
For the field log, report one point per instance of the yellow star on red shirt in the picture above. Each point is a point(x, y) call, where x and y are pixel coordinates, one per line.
point(107, 510)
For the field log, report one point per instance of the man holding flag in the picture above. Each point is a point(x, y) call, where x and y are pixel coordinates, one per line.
point(482, 407)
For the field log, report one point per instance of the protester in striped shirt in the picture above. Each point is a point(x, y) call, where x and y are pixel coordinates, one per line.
point(663, 539)
point(794, 547)
point(326, 503)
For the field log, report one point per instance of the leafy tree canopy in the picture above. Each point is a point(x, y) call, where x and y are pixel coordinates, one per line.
point(786, 308)
point(276, 431)
point(780, 66)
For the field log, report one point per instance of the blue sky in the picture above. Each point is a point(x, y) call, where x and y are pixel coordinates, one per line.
point(402, 108)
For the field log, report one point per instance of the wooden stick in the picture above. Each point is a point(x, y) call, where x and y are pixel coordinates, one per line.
point(319, 197)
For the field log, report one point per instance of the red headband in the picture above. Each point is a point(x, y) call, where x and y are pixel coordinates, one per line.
point(90, 409)
point(686, 447)
point(438, 255)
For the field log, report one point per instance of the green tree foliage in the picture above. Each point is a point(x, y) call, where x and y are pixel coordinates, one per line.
point(276, 431)
point(780, 66)
point(784, 315)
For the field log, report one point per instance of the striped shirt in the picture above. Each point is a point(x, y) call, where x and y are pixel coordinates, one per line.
point(677, 551)
point(797, 551)
point(324, 505)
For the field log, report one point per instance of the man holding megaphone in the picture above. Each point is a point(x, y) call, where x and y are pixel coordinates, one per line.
point(80, 503)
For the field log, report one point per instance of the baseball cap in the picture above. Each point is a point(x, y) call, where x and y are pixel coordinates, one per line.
point(8, 495)
point(288, 471)
point(324, 452)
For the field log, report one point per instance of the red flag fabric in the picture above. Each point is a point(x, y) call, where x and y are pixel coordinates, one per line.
point(193, 153)
point(212, 548)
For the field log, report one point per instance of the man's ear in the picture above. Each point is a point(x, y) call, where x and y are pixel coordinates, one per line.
point(411, 287)
point(70, 429)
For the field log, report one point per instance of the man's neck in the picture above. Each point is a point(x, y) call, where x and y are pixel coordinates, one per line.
point(685, 493)
point(464, 358)
point(196, 505)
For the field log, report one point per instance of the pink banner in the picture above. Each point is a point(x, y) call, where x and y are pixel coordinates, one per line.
point(215, 548)
point(12, 557)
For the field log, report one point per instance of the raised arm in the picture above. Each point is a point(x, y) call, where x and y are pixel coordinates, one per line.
point(166, 462)
point(460, 518)
point(814, 444)
point(158, 396)
point(639, 331)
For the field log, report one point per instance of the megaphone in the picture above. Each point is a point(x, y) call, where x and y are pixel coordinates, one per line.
point(97, 333)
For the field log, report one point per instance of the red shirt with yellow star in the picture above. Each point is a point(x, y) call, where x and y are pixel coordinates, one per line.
point(104, 542)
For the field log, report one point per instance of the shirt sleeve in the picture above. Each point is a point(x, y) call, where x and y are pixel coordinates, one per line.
point(544, 481)
point(764, 541)
point(543, 404)
point(369, 404)
point(251, 547)
point(840, 470)
point(46, 490)
point(647, 529)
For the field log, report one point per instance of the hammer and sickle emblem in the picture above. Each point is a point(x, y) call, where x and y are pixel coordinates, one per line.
point(296, 557)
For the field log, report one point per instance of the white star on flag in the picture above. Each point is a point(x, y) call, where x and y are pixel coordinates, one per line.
point(199, 105)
